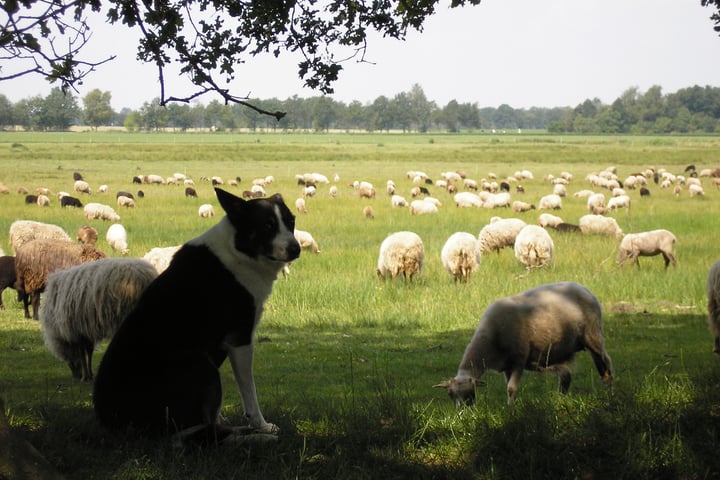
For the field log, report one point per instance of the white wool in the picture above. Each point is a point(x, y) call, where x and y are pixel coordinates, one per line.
point(206, 210)
point(22, 231)
point(467, 199)
point(498, 234)
point(422, 207)
point(460, 255)
point(117, 238)
point(534, 247)
point(550, 202)
point(599, 224)
point(401, 253)
point(306, 240)
point(160, 257)
point(101, 212)
point(549, 220)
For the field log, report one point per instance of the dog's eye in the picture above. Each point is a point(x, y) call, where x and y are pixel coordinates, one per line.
point(270, 225)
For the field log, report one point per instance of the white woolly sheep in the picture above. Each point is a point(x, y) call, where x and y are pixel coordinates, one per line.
point(498, 234)
point(600, 225)
point(36, 260)
point(519, 206)
point(300, 205)
point(87, 303)
point(467, 199)
point(127, 202)
point(540, 329)
point(401, 253)
point(23, 231)
point(81, 186)
point(160, 257)
point(101, 212)
point(695, 190)
point(550, 202)
point(117, 238)
point(398, 201)
point(497, 200)
point(534, 247)
point(206, 210)
point(549, 220)
point(596, 203)
point(713, 305)
point(460, 255)
point(43, 201)
point(621, 201)
point(647, 244)
point(306, 240)
point(333, 191)
point(421, 207)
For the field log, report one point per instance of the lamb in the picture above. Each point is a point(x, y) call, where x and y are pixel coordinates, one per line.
point(499, 233)
point(421, 207)
point(23, 231)
point(206, 211)
point(647, 244)
point(117, 238)
point(598, 224)
point(100, 211)
point(540, 329)
point(7, 275)
point(550, 202)
point(534, 247)
point(86, 303)
point(401, 253)
point(160, 257)
point(37, 259)
point(713, 306)
point(306, 240)
point(460, 255)
point(87, 235)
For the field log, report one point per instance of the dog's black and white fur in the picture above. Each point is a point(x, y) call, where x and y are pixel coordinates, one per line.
point(160, 373)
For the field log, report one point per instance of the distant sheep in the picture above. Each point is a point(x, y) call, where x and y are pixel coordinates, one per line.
point(206, 211)
point(117, 238)
point(87, 303)
point(160, 257)
point(460, 255)
point(398, 201)
point(68, 201)
point(519, 206)
point(36, 260)
point(190, 192)
point(43, 201)
point(401, 253)
point(368, 211)
point(550, 202)
point(87, 235)
point(306, 240)
point(695, 190)
point(549, 220)
point(23, 231)
point(81, 186)
point(596, 204)
point(99, 211)
point(123, 201)
point(621, 201)
point(713, 306)
point(647, 244)
point(300, 205)
point(540, 329)
point(124, 194)
point(467, 200)
point(421, 207)
point(534, 247)
point(498, 234)
point(600, 225)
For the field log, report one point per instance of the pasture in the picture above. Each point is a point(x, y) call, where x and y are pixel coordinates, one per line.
point(345, 363)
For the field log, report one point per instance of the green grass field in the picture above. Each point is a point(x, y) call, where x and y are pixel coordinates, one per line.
point(346, 362)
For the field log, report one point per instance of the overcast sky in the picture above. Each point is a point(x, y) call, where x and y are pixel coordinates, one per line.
point(523, 53)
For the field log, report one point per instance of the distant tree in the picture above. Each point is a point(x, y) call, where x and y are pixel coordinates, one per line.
point(450, 116)
point(97, 109)
point(153, 116)
point(58, 111)
point(7, 114)
point(381, 114)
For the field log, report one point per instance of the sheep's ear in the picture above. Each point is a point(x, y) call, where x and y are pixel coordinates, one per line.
point(445, 384)
point(228, 201)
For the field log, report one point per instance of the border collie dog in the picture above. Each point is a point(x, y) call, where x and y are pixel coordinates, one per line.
point(160, 373)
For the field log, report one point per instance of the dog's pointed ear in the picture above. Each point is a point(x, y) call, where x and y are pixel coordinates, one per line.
point(229, 202)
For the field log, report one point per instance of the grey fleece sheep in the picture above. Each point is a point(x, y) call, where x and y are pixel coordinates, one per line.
point(87, 303)
point(540, 329)
point(713, 294)
point(37, 259)
point(647, 244)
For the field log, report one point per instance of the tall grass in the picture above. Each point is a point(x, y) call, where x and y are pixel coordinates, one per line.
point(345, 363)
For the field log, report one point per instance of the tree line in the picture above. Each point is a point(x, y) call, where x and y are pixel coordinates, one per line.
point(690, 110)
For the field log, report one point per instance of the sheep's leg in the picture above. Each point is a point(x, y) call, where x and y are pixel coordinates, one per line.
point(512, 378)
point(87, 362)
point(36, 305)
point(564, 378)
point(669, 258)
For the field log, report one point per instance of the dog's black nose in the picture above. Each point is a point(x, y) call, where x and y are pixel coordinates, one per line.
point(293, 251)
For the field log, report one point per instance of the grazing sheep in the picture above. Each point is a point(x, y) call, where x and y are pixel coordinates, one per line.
point(43, 201)
point(81, 186)
point(695, 190)
point(7, 275)
point(460, 255)
point(621, 201)
point(421, 207)
point(23, 231)
point(100, 211)
point(190, 192)
point(550, 202)
point(117, 238)
point(36, 260)
point(30, 199)
point(206, 211)
point(498, 234)
point(596, 203)
point(647, 244)
point(153, 179)
point(306, 240)
point(77, 176)
point(467, 199)
point(713, 294)
point(160, 257)
point(549, 220)
point(398, 201)
point(333, 191)
point(87, 235)
point(366, 191)
point(401, 253)
point(127, 202)
point(540, 329)
point(300, 205)
point(124, 194)
point(68, 201)
point(368, 211)
point(497, 200)
point(534, 247)
point(519, 206)
point(600, 225)
point(86, 303)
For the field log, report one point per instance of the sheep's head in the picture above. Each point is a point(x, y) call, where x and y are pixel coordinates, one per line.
point(461, 390)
